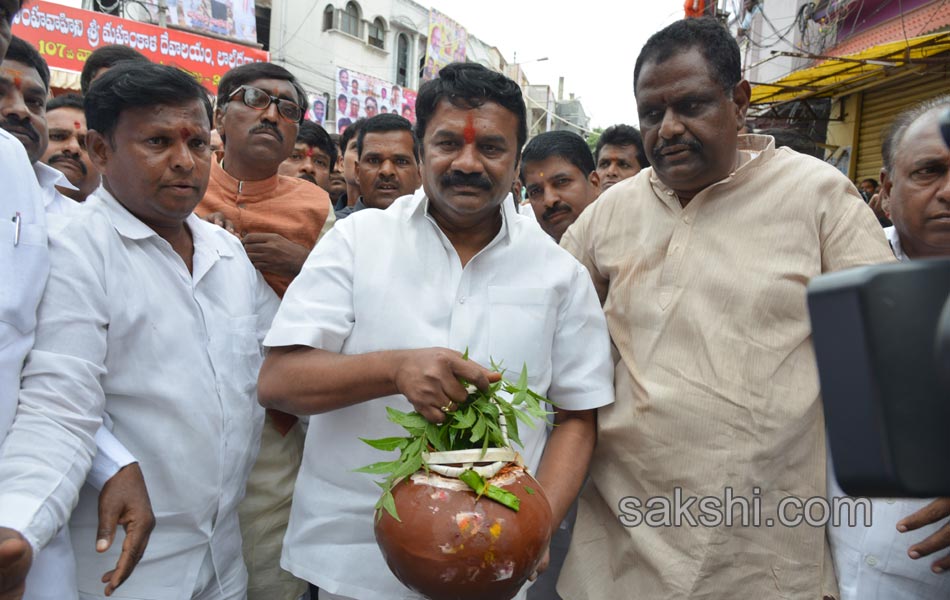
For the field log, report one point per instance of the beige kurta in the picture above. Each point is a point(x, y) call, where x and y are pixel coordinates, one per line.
point(716, 380)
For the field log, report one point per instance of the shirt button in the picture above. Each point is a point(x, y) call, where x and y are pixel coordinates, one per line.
point(462, 300)
point(871, 560)
point(686, 219)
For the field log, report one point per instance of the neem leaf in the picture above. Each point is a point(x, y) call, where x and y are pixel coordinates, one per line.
point(473, 480)
point(388, 444)
point(530, 490)
point(408, 420)
point(387, 503)
point(380, 468)
point(503, 497)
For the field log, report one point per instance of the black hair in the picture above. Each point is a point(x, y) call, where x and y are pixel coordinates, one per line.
point(13, 13)
point(106, 58)
point(134, 85)
point(250, 73)
point(313, 135)
point(794, 139)
point(21, 51)
point(561, 144)
point(382, 123)
point(71, 100)
point(349, 133)
point(622, 135)
point(872, 181)
point(469, 85)
point(706, 34)
point(895, 132)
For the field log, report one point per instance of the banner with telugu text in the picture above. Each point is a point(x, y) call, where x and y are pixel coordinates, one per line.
point(66, 36)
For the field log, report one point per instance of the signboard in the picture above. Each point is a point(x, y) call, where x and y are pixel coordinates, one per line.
point(233, 18)
point(66, 36)
point(447, 41)
point(359, 96)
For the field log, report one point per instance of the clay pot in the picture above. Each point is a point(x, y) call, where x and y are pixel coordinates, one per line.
point(450, 546)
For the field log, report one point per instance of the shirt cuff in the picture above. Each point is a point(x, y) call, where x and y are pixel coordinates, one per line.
point(110, 457)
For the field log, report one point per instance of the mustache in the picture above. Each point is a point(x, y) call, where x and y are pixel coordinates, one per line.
point(455, 178)
point(24, 125)
point(267, 126)
point(550, 211)
point(57, 158)
point(693, 145)
point(308, 177)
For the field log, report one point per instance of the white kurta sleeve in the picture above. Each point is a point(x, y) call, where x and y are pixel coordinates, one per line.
point(317, 310)
point(110, 457)
point(582, 368)
point(48, 451)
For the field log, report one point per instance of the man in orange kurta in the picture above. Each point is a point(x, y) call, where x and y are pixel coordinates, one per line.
point(279, 219)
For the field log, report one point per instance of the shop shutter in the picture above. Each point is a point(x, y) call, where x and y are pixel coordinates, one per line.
point(880, 105)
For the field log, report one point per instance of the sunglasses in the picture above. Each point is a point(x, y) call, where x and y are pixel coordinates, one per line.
point(258, 99)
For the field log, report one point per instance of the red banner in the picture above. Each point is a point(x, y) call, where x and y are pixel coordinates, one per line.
point(65, 36)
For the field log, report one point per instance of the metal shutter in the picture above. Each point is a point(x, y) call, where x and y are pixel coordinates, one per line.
point(880, 105)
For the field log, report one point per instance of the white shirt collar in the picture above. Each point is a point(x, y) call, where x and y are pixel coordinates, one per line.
point(508, 213)
point(50, 178)
point(129, 226)
point(895, 241)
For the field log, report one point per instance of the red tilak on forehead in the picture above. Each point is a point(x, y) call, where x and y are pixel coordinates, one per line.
point(469, 132)
point(17, 81)
point(76, 125)
point(309, 152)
point(185, 133)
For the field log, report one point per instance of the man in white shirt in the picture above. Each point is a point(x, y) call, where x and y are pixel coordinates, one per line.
point(152, 319)
point(384, 306)
point(903, 554)
point(24, 265)
point(66, 152)
point(24, 81)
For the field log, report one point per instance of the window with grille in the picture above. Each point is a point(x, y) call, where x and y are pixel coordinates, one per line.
point(376, 32)
point(350, 19)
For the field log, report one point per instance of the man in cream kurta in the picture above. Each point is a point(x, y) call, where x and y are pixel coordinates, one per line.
point(701, 263)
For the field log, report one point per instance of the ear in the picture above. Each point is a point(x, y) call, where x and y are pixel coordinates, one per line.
point(99, 149)
point(219, 113)
point(741, 95)
point(886, 184)
point(594, 179)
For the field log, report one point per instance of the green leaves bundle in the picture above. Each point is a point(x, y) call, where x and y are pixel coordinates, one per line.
point(476, 424)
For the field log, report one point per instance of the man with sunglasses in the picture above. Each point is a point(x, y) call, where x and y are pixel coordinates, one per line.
point(279, 219)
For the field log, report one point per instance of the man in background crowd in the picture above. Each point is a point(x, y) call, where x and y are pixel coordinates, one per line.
point(348, 141)
point(279, 219)
point(66, 123)
point(104, 58)
point(903, 554)
point(557, 171)
point(618, 155)
point(387, 164)
point(313, 157)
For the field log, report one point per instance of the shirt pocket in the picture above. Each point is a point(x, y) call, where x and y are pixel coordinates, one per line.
point(25, 270)
point(521, 325)
point(246, 352)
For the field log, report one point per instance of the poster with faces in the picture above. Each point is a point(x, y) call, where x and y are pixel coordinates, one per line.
point(232, 18)
point(361, 96)
point(316, 108)
point(447, 41)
